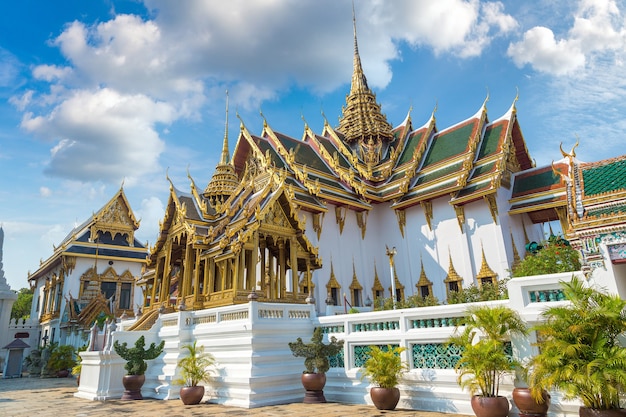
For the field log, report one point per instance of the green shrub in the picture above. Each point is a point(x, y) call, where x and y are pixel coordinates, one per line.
point(552, 256)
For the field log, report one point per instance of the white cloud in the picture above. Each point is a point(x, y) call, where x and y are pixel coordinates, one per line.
point(150, 214)
point(540, 49)
point(45, 191)
point(597, 31)
point(463, 28)
point(102, 135)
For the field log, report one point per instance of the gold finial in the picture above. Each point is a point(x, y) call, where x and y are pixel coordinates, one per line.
point(572, 153)
point(225, 154)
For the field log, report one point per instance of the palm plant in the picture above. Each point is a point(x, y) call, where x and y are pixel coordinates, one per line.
point(484, 362)
point(580, 354)
point(384, 367)
point(195, 367)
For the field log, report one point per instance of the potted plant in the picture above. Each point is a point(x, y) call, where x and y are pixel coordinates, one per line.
point(484, 361)
point(61, 360)
point(579, 351)
point(316, 363)
point(136, 365)
point(384, 368)
point(528, 405)
point(194, 369)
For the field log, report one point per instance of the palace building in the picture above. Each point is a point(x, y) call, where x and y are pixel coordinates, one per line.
point(328, 218)
point(90, 277)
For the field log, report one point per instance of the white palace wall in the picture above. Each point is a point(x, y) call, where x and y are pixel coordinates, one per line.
point(256, 368)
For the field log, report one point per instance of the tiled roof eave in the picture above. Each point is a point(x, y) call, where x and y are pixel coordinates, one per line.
point(527, 208)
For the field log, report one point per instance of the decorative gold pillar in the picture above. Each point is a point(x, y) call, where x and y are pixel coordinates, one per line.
point(157, 281)
point(262, 246)
point(254, 259)
point(210, 276)
point(282, 260)
point(196, 275)
point(185, 286)
point(165, 286)
point(293, 259)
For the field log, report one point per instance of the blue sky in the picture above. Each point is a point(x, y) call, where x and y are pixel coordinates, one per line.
point(98, 93)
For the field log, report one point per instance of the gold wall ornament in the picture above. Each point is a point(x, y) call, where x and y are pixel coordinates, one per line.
point(460, 216)
point(486, 274)
point(401, 216)
point(318, 219)
point(361, 221)
point(516, 258)
point(453, 281)
point(427, 207)
point(424, 286)
point(340, 216)
point(490, 199)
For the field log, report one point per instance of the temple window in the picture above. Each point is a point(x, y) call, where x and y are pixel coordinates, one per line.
point(424, 291)
point(356, 298)
point(125, 296)
point(108, 289)
point(334, 295)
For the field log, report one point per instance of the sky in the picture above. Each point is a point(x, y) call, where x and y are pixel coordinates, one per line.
point(100, 94)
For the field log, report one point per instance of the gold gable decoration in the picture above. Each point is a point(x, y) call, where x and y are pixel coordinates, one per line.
point(378, 291)
point(453, 280)
point(115, 218)
point(486, 275)
point(424, 286)
point(332, 287)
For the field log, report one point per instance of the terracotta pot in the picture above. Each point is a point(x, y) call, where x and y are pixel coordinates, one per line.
point(132, 385)
point(314, 385)
point(490, 406)
point(527, 406)
point(385, 398)
point(63, 373)
point(191, 395)
point(593, 412)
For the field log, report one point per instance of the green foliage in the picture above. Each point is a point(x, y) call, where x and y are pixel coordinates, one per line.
point(580, 354)
point(384, 367)
point(411, 302)
point(21, 306)
point(484, 362)
point(317, 352)
point(474, 293)
point(195, 367)
point(135, 357)
point(79, 366)
point(556, 255)
point(61, 358)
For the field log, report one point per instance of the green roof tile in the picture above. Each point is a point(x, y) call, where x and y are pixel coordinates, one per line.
point(539, 181)
point(439, 173)
point(605, 178)
point(489, 144)
point(449, 143)
point(411, 146)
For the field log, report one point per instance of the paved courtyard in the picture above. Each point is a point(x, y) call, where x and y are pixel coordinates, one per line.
point(55, 397)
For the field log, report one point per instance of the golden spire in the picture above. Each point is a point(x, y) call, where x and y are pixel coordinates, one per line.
point(224, 180)
point(485, 270)
point(362, 120)
point(452, 274)
point(516, 258)
point(225, 154)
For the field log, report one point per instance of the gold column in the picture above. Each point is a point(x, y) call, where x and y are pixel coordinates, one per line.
point(235, 271)
point(293, 259)
point(185, 286)
point(165, 286)
point(262, 247)
point(272, 276)
point(157, 280)
point(254, 259)
point(196, 274)
point(282, 268)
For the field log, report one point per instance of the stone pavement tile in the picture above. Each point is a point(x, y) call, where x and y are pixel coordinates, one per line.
point(54, 397)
